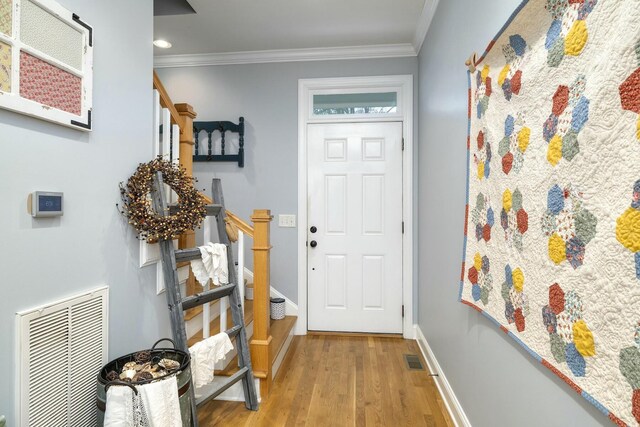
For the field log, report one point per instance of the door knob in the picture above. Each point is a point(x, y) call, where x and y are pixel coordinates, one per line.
point(313, 229)
point(313, 243)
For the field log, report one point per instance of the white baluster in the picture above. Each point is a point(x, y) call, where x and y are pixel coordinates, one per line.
point(224, 303)
point(206, 309)
point(241, 266)
point(206, 313)
point(175, 144)
point(166, 132)
point(156, 123)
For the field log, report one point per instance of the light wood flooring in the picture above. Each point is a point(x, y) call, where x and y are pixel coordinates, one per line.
point(341, 381)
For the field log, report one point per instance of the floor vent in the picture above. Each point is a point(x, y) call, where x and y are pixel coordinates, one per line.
point(413, 362)
point(62, 346)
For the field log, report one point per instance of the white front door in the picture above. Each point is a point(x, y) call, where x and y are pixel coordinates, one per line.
point(355, 227)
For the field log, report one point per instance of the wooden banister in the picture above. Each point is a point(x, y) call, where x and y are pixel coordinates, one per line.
point(261, 341)
point(165, 101)
point(243, 226)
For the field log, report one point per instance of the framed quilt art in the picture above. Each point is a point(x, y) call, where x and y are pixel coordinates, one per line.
point(552, 231)
point(46, 62)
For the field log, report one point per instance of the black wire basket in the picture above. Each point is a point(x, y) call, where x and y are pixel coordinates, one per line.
point(156, 354)
point(182, 372)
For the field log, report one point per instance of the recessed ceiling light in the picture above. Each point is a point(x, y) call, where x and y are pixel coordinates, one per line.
point(162, 44)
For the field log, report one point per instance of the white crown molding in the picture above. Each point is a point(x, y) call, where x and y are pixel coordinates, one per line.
point(428, 11)
point(287, 55)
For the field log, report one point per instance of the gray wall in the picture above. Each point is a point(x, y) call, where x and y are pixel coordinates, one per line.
point(496, 381)
point(267, 96)
point(91, 245)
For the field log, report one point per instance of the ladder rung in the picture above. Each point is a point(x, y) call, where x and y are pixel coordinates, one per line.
point(183, 255)
point(232, 332)
point(212, 210)
point(228, 383)
point(207, 296)
point(188, 254)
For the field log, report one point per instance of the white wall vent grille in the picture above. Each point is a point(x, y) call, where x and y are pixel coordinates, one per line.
point(61, 347)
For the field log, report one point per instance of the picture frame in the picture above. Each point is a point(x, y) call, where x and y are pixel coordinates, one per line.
point(46, 62)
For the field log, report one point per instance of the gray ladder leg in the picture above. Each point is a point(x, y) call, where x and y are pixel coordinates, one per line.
point(172, 286)
point(244, 358)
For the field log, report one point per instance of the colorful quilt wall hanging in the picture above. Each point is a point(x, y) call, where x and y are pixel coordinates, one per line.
point(552, 229)
point(46, 62)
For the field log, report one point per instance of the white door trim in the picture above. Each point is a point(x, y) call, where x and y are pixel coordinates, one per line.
point(403, 85)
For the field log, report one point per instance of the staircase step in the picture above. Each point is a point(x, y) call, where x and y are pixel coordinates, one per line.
point(190, 314)
point(280, 330)
point(214, 325)
point(279, 333)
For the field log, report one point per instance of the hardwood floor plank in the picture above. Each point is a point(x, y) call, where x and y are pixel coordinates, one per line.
point(341, 381)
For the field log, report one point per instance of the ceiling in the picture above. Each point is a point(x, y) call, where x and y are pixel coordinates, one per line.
point(225, 26)
point(171, 7)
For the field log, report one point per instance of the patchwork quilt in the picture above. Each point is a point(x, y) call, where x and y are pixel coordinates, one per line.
point(552, 229)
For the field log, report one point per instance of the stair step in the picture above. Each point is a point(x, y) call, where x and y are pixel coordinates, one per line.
point(280, 330)
point(194, 312)
point(223, 387)
point(214, 325)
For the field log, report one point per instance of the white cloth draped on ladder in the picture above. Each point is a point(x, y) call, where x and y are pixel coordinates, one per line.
point(213, 265)
point(205, 354)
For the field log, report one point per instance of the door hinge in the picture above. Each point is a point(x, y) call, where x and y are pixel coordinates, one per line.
point(402, 144)
point(402, 227)
point(403, 310)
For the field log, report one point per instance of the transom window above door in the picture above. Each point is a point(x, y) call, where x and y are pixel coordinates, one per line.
point(355, 104)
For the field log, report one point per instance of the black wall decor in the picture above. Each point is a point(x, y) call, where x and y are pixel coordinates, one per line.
point(223, 128)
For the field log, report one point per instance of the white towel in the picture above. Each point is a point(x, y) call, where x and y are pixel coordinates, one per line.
point(213, 264)
point(205, 354)
point(124, 408)
point(160, 398)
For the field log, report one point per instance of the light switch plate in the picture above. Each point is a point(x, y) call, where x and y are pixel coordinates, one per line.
point(286, 221)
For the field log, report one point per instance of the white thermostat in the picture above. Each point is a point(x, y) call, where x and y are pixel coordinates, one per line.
point(45, 204)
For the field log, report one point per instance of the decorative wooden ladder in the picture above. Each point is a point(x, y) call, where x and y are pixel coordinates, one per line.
point(177, 305)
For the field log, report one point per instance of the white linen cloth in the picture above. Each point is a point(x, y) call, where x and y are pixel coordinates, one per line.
point(160, 399)
point(205, 354)
point(213, 264)
point(124, 408)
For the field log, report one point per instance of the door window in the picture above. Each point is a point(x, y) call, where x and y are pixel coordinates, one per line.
point(378, 103)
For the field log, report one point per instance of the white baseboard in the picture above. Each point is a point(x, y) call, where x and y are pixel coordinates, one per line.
point(450, 400)
point(291, 309)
